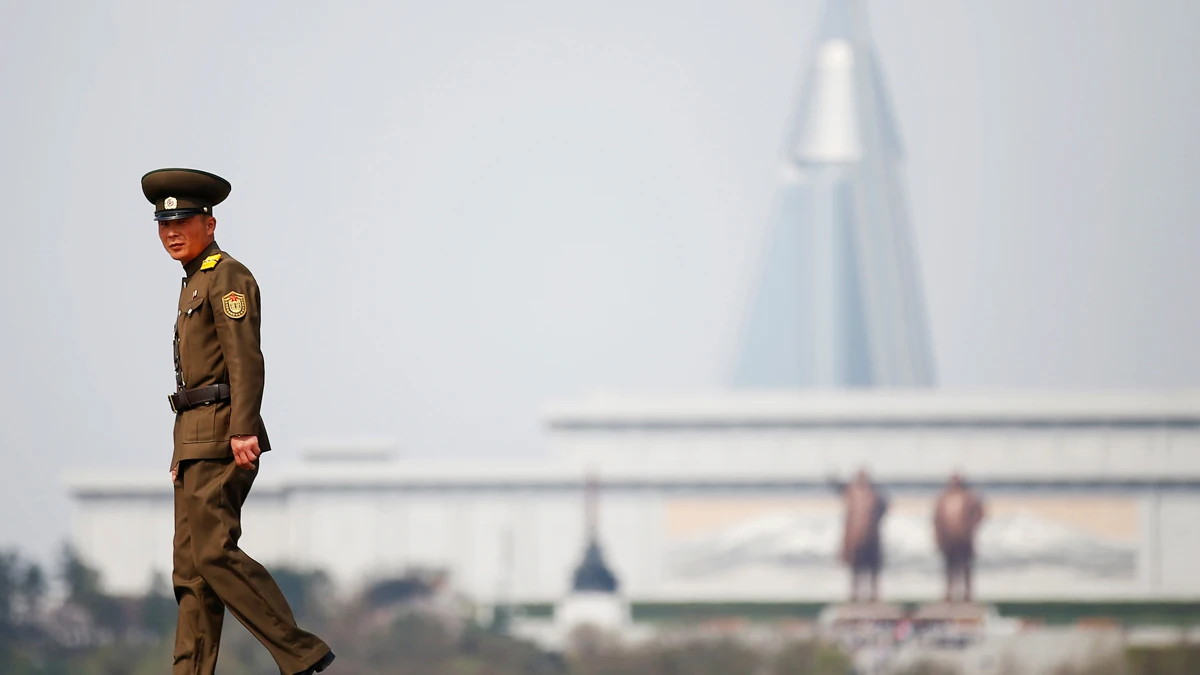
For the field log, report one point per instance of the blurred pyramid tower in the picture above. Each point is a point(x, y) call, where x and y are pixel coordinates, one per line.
point(839, 303)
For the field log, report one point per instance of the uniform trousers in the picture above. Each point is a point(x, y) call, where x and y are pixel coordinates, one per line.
point(211, 573)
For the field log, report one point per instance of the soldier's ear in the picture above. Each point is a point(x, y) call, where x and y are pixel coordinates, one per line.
point(210, 225)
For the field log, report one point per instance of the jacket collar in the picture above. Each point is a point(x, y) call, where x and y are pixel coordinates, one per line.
point(194, 264)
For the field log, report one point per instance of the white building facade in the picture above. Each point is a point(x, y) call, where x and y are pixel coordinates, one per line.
point(727, 498)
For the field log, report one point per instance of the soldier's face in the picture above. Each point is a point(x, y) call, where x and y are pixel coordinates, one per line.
point(186, 238)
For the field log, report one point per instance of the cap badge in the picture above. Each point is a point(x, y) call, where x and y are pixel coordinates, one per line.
point(170, 203)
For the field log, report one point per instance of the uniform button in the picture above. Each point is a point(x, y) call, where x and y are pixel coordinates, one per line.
point(189, 312)
point(180, 313)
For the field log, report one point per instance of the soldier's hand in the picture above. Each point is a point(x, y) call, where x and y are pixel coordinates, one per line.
point(174, 473)
point(245, 451)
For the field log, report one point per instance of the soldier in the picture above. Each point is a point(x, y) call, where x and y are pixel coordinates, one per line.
point(219, 436)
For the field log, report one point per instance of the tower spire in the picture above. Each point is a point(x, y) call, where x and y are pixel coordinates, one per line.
point(839, 303)
point(593, 574)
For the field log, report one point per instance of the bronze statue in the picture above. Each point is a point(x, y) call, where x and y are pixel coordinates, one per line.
point(862, 549)
point(956, 517)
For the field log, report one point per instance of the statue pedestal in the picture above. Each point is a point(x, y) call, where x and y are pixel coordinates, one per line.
point(862, 612)
point(955, 625)
point(954, 612)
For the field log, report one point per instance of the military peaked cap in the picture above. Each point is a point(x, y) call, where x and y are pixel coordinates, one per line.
point(182, 193)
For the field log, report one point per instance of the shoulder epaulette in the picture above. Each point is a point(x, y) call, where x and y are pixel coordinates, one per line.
point(210, 262)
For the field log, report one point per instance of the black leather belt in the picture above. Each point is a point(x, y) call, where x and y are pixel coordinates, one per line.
point(191, 398)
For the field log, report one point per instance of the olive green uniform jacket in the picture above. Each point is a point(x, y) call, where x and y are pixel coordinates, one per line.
point(219, 343)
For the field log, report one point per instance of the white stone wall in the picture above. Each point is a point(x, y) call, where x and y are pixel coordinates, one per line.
point(128, 540)
point(357, 537)
point(1177, 547)
point(515, 529)
point(894, 453)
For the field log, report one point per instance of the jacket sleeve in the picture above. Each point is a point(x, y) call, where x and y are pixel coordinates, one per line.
point(235, 302)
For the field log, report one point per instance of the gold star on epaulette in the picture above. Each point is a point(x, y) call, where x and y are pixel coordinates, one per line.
point(210, 262)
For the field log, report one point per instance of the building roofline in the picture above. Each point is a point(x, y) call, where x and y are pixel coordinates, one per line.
point(856, 408)
point(529, 477)
point(1049, 411)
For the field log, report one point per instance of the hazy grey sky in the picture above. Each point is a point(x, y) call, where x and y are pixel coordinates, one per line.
point(458, 211)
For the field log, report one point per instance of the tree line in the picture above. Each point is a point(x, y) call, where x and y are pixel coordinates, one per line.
point(64, 623)
point(401, 626)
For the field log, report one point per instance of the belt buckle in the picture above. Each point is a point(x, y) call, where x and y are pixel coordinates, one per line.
point(171, 400)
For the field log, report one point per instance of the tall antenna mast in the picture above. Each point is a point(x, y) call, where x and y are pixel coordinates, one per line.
point(591, 506)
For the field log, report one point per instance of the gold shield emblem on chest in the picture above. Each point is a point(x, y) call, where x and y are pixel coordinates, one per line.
point(234, 304)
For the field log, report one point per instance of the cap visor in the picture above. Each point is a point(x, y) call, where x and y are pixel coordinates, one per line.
point(176, 214)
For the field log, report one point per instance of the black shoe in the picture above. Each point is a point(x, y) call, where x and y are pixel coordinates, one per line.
point(319, 665)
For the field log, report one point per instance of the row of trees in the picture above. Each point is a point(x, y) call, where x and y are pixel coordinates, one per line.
point(395, 627)
point(65, 624)
point(37, 636)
